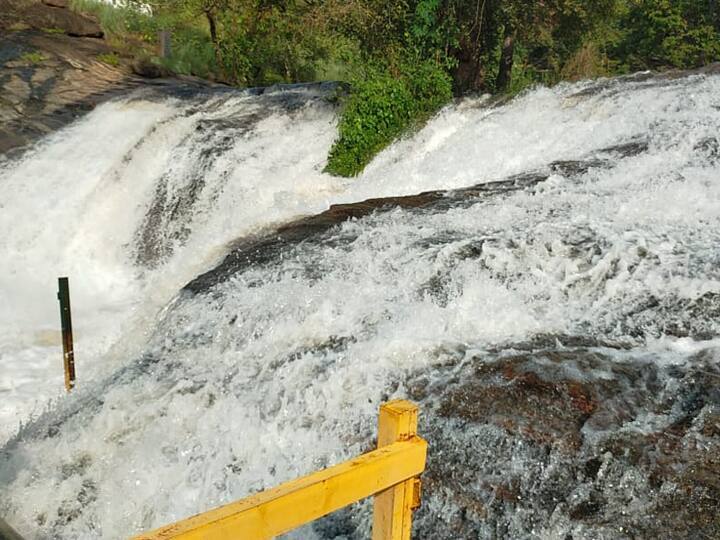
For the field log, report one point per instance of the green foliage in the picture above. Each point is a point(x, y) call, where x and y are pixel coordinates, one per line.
point(192, 53)
point(268, 46)
point(401, 55)
point(136, 30)
point(33, 57)
point(433, 32)
point(663, 33)
point(381, 107)
point(115, 20)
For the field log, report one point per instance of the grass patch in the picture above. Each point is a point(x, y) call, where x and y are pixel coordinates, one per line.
point(34, 57)
point(115, 20)
point(136, 33)
point(18, 27)
point(111, 59)
point(53, 30)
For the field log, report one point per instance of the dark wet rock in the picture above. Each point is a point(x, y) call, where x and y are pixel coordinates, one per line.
point(629, 149)
point(573, 168)
point(168, 219)
point(698, 318)
point(144, 67)
point(57, 3)
point(266, 248)
point(7, 532)
point(553, 412)
point(571, 442)
point(709, 146)
point(645, 79)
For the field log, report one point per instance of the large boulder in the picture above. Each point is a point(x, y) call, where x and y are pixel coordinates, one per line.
point(570, 442)
point(144, 67)
point(42, 16)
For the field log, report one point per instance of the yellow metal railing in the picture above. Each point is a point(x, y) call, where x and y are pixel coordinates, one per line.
point(390, 473)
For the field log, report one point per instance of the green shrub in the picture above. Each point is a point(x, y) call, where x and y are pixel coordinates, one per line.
point(382, 106)
point(113, 19)
point(658, 34)
point(430, 86)
point(267, 46)
point(192, 51)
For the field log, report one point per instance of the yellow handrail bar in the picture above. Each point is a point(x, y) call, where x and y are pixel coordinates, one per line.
point(390, 473)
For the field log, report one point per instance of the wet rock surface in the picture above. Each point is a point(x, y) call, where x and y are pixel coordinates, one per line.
point(594, 435)
point(562, 436)
point(49, 74)
point(571, 443)
point(168, 220)
point(268, 247)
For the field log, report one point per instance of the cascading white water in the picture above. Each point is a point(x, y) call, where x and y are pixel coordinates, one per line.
point(279, 368)
point(78, 205)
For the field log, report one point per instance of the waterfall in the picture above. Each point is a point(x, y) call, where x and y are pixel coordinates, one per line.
point(551, 298)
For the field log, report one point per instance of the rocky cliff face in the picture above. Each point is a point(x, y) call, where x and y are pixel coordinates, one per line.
point(51, 70)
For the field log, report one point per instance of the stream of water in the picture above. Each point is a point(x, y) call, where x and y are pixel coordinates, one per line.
point(585, 253)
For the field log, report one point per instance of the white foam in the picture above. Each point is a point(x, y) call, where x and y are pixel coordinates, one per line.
point(281, 369)
point(73, 206)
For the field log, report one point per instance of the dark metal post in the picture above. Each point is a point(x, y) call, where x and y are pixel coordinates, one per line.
point(67, 336)
point(165, 38)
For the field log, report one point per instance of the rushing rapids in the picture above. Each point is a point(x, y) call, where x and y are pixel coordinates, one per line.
point(541, 276)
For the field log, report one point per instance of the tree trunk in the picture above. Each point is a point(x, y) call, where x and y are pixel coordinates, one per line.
point(468, 75)
point(216, 45)
point(213, 27)
point(504, 78)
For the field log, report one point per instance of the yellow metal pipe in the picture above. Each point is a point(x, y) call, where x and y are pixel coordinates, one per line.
point(281, 509)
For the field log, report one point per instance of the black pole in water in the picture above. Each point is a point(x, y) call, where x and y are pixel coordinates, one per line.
point(67, 337)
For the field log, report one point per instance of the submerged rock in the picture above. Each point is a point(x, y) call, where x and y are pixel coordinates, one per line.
point(572, 443)
point(144, 67)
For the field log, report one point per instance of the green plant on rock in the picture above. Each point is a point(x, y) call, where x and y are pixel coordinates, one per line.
point(381, 107)
point(111, 59)
point(33, 57)
point(19, 27)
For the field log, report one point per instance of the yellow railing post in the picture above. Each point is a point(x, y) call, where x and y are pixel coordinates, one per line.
point(392, 515)
point(390, 474)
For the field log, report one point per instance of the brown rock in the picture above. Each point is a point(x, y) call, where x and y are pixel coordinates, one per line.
point(43, 16)
point(523, 403)
point(565, 432)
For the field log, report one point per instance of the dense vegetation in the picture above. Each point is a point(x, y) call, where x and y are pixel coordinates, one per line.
point(405, 58)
